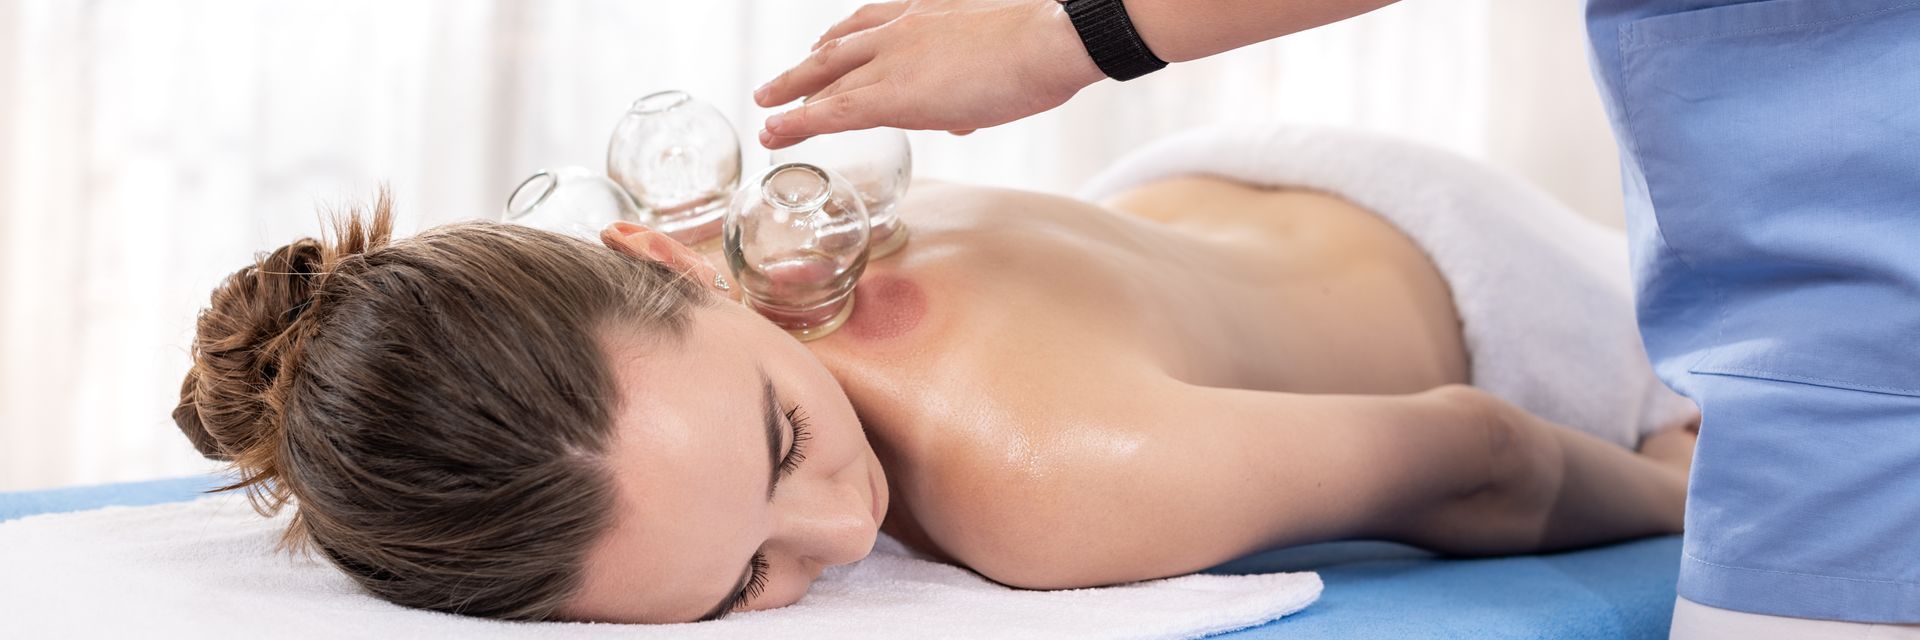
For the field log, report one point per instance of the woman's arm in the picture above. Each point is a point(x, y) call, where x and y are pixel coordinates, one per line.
point(1557, 488)
point(1188, 477)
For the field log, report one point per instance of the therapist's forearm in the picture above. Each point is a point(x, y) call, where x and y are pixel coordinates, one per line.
point(1182, 30)
point(961, 65)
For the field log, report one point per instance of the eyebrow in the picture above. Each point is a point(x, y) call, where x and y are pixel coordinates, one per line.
point(770, 415)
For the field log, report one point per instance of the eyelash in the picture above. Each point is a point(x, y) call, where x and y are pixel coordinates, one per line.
point(756, 583)
point(795, 454)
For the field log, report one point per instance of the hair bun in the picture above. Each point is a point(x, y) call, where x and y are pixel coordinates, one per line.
point(249, 340)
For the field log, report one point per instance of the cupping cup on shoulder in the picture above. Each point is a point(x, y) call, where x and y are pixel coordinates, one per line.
point(575, 201)
point(671, 164)
point(879, 163)
point(796, 239)
point(680, 159)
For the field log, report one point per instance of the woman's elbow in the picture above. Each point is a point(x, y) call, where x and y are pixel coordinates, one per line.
point(1507, 510)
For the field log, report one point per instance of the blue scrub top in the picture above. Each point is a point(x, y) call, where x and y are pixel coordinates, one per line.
point(1771, 156)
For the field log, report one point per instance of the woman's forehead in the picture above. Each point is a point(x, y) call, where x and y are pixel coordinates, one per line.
point(688, 460)
point(709, 364)
point(686, 405)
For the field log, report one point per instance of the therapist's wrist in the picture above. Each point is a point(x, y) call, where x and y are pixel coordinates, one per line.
point(1066, 55)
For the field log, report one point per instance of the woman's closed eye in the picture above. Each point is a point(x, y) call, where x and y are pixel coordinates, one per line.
point(756, 581)
point(797, 422)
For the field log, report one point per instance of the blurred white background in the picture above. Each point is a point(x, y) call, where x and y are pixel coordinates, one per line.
point(150, 147)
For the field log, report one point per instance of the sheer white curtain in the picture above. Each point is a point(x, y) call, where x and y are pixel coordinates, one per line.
point(149, 147)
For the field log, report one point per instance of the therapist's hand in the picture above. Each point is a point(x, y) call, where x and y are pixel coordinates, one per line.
point(953, 65)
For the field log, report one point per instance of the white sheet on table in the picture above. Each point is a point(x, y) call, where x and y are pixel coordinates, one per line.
point(206, 569)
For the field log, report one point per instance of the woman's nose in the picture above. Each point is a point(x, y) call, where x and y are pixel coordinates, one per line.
point(827, 523)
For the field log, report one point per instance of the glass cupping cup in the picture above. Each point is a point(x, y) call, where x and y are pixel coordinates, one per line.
point(575, 201)
point(879, 164)
point(796, 239)
point(680, 159)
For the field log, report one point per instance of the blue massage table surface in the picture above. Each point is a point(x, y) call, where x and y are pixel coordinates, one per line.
point(1373, 590)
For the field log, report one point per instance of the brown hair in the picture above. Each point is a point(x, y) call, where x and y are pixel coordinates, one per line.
point(437, 409)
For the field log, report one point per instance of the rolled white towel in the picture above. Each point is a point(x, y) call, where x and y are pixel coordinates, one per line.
point(1544, 294)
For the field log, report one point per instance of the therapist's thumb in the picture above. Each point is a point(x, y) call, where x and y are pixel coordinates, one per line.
point(863, 108)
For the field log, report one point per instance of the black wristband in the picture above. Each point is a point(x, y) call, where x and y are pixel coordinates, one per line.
point(1108, 34)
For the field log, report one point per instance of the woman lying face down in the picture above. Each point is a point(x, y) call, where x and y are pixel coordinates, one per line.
point(496, 421)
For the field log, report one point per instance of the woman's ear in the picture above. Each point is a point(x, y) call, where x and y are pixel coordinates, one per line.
point(639, 242)
point(646, 244)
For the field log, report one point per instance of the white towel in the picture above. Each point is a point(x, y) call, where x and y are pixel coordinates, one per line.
point(206, 569)
point(1543, 293)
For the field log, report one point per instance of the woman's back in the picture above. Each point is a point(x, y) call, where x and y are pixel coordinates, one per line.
point(1013, 323)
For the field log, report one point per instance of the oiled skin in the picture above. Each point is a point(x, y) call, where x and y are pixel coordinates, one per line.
point(1066, 394)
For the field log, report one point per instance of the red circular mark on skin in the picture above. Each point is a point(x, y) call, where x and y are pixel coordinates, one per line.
point(886, 307)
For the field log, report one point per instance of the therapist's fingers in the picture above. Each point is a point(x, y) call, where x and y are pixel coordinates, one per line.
point(945, 65)
point(856, 79)
point(772, 141)
point(851, 81)
point(864, 18)
point(828, 63)
point(862, 108)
